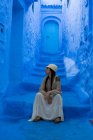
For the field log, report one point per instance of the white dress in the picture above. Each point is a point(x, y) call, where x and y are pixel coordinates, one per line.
point(41, 107)
point(47, 111)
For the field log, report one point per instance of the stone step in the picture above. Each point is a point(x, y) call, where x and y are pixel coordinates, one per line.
point(44, 64)
point(17, 89)
point(21, 106)
point(51, 55)
point(60, 69)
point(68, 83)
point(34, 86)
point(42, 74)
point(33, 83)
point(18, 106)
point(51, 60)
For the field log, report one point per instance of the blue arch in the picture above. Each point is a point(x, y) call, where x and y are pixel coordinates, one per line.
point(51, 37)
point(54, 20)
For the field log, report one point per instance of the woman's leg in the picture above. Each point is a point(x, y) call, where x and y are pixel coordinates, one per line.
point(47, 111)
point(38, 107)
point(58, 107)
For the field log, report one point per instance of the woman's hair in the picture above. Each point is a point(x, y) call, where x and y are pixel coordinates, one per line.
point(52, 78)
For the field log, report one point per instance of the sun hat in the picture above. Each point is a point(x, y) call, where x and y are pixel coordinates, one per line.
point(53, 67)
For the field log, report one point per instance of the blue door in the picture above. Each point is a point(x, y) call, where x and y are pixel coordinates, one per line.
point(51, 37)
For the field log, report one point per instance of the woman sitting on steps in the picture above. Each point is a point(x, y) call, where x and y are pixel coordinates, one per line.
point(48, 101)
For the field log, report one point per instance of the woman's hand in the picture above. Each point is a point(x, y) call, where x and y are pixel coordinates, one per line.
point(48, 97)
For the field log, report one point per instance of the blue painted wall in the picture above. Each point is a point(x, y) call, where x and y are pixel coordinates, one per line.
point(17, 21)
point(5, 19)
point(16, 45)
point(72, 25)
point(77, 42)
point(32, 38)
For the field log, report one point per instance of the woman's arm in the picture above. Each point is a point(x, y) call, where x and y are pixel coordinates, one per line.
point(57, 90)
point(42, 87)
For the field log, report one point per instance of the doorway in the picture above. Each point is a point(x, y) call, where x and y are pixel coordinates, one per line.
point(51, 37)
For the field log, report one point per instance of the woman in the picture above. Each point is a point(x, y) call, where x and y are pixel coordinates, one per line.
point(48, 101)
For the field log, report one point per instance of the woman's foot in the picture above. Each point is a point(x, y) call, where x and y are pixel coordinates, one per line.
point(91, 121)
point(37, 119)
point(30, 120)
point(57, 120)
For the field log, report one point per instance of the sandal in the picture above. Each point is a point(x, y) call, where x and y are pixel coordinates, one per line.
point(37, 119)
point(91, 121)
point(57, 120)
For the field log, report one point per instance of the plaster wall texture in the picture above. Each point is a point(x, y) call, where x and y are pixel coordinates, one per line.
point(5, 19)
point(32, 33)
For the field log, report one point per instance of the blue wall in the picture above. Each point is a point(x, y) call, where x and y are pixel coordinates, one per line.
point(32, 37)
point(16, 48)
point(5, 19)
point(76, 40)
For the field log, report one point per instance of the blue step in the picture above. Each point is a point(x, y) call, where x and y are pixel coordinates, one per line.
point(42, 74)
point(21, 106)
point(44, 64)
point(60, 69)
point(51, 60)
point(42, 54)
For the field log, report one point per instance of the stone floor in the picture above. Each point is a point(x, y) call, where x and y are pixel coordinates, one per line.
point(71, 129)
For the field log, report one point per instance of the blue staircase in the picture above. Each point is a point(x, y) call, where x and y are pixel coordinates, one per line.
point(37, 73)
point(19, 98)
point(20, 104)
point(44, 60)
